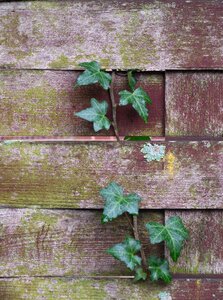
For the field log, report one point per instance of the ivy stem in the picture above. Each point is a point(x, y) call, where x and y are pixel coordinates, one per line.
point(114, 106)
point(129, 221)
point(136, 236)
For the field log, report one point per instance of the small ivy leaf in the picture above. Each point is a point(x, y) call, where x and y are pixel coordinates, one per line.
point(138, 99)
point(116, 203)
point(140, 275)
point(96, 114)
point(131, 81)
point(159, 269)
point(173, 233)
point(93, 74)
point(126, 252)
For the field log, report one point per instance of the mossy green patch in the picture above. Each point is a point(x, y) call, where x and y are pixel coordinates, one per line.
point(129, 46)
point(38, 106)
point(54, 176)
point(48, 5)
point(12, 37)
point(79, 289)
point(61, 62)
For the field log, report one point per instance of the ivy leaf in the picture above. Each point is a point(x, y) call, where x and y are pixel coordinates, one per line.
point(159, 269)
point(131, 80)
point(93, 74)
point(96, 114)
point(140, 275)
point(138, 99)
point(137, 138)
point(116, 203)
point(173, 233)
point(126, 252)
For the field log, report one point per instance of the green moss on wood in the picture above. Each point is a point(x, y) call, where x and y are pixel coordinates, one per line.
point(61, 62)
point(79, 289)
point(138, 48)
point(12, 37)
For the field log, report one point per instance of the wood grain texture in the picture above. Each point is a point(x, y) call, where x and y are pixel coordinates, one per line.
point(39, 242)
point(38, 103)
point(71, 175)
point(194, 103)
point(154, 35)
point(203, 251)
point(108, 289)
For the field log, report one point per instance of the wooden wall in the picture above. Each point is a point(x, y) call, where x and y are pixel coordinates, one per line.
point(52, 164)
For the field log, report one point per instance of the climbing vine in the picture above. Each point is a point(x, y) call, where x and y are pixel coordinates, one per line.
point(116, 202)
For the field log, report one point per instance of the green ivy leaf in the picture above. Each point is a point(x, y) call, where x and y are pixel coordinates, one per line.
point(116, 203)
point(96, 114)
point(173, 233)
point(137, 138)
point(131, 80)
point(126, 252)
point(140, 275)
point(138, 99)
point(159, 269)
point(93, 74)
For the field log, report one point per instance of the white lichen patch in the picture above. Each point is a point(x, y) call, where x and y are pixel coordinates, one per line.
point(165, 296)
point(153, 152)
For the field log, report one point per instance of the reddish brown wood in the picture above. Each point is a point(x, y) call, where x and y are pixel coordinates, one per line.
point(129, 121)
point(154, 35)
point(203, 252)
point(39, 242)
point(71, 175)
point(43, 103)
point(194, 103)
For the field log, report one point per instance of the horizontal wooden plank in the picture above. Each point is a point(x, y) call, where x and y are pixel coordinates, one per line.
point(194, 104)
point(40, 103)
point(39, 242)
point(203, 252)
point(71, 175)
point(158, 35)
point(108, 289)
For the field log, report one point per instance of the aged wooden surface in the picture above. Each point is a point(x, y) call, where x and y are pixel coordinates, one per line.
point(39, 242)
point(71, 175)
point(203, 252)
point(194, 103)
point(108, 289)
point(44, 102)
point(154, 35)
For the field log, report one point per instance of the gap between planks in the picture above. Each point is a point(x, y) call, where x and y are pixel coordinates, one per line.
point(103, 139)
point(174, 276)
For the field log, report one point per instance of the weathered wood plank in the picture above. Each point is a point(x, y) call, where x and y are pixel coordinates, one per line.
point(108, 289)
point(194, 104)
point(203, 252)
point(131, 34)
point(39, 242)
point(71, 175)
point(38, 103)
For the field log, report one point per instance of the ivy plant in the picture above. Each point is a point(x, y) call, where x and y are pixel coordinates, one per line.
point(116, 201)
point(97, 113)
point(173, 233)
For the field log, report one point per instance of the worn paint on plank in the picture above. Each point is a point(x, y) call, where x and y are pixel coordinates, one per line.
point(158, 35)
point(194, 104)
point(43, 103)
point(71, 175)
